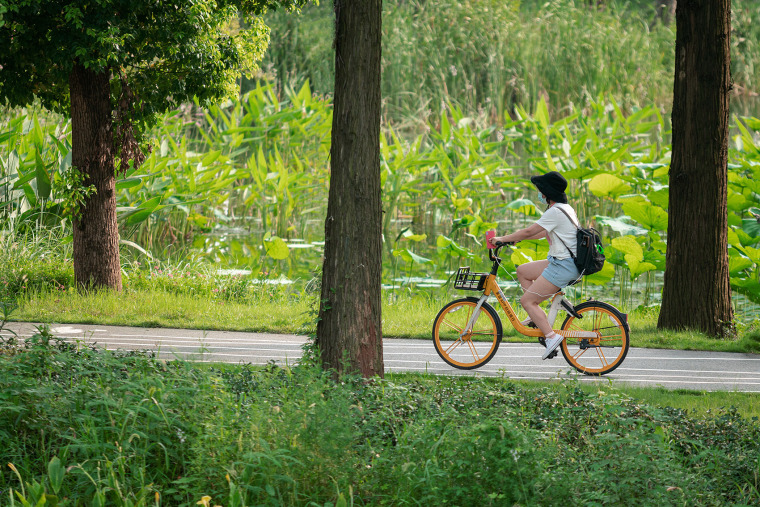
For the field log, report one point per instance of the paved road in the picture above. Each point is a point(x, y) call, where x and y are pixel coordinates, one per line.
point(672, 369)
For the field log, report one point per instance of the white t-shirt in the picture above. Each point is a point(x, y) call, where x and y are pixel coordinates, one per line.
point(559, 227)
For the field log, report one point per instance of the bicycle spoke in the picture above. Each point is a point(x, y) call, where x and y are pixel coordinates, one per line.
point(579, 353)
point(454, 345)
point(452, 326)
point(474, 352)
point(601, 356)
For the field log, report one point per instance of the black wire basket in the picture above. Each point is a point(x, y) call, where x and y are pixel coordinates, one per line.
point(469, 281)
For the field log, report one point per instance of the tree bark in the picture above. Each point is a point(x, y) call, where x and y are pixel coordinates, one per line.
point(349, 333)
point(697, 292)
point(96, 234)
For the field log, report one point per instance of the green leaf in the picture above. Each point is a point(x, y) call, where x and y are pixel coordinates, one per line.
point(523, 256)
point(737, 264)
point(628, 246)
point(637, 267)
point(42, 177)
point(460, 204)
point(621, 226)
point(650, 216)
point(128, 183)
point(660, 197)
point(524, 206)
point(751, 226)
point(748, 287)
point(56, 471)
point(143, 211)
point(409, 236)
point(276, 248)
point(410, 256)
point(445, 243)
point(442, 241)
point(608, 185)
point(419, 259)
point(603, 276)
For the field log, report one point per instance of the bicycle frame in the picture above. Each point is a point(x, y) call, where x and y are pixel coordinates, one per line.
point(492, 287)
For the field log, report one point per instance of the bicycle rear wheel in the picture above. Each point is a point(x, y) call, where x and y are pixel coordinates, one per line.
point(605, 352)
point(469, 350)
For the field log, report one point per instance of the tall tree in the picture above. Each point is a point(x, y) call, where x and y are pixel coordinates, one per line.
point(113, 65)
point(349, 332)
point(696, 293)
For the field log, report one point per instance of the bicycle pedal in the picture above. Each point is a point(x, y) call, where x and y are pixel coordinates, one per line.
point(531, 324)
point(552, 355)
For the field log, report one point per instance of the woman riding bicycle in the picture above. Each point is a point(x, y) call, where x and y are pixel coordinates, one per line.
point(540, 280)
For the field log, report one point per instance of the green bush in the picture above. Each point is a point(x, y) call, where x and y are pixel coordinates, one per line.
point(81, 426)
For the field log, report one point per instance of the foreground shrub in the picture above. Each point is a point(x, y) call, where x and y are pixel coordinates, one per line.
point(81, 426)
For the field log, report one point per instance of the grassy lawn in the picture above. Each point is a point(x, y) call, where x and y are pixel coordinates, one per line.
point(278, 311)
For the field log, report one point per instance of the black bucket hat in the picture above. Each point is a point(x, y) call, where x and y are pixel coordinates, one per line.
point(552, 185)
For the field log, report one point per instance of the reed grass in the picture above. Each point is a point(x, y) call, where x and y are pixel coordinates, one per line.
point(490, 55)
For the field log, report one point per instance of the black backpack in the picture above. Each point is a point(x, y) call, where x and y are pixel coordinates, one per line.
point(590, 256)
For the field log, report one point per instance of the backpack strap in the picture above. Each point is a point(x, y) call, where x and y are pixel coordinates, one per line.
point(560, 239)
point(568, 217)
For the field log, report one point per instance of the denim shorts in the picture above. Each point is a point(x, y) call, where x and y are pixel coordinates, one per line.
point(561, 272)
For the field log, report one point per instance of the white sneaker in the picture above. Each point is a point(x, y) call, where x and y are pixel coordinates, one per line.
point(552, 344)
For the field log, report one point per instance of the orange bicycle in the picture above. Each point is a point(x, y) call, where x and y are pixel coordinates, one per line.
point(467, 332)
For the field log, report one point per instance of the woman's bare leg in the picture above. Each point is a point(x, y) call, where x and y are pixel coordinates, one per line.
point(529, 272)
point(539, 291)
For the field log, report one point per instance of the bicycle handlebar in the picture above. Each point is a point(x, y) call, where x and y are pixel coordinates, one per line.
point(493, 254)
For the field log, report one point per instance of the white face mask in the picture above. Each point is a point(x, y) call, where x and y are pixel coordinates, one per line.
point(542, 199)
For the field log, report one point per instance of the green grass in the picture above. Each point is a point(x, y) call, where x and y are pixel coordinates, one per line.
point(95, 427)
point(277, 310)
point(153, 308)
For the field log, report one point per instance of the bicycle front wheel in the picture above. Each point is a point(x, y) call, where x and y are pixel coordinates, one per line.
point(470, 349)
point(603, 353)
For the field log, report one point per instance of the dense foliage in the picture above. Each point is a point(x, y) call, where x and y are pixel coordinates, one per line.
point(98, 428)
point(495, 55)
point(257, 167)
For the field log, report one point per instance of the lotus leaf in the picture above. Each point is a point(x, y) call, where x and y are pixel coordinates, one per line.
point(748, 287)
point(409, 236)
point(602, 277)
point(276, 248)
point(737, 264)
point(444, 243)
point(523, 256)
point(524, 206)
point(751, 226)
point(751, 252)
point(650, 216)
point(661, 172)
point(660, 198)
point(736, 201)
point(410, 256)
point(628, 246)
point(620, 225)
point(637, 267)
point(608, 185)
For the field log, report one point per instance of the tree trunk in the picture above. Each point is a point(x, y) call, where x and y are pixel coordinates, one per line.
point(349, 333)
point(96, 234)
point(697, 291)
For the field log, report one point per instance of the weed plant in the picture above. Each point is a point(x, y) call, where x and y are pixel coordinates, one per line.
point(80, 426)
